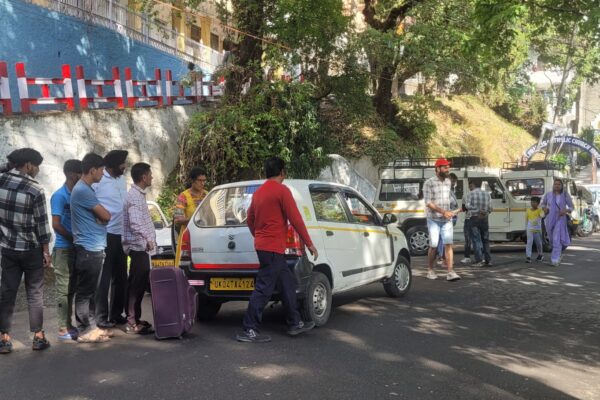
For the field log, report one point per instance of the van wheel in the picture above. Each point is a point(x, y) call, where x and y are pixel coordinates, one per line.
point(398, 284)
point(316, 305)
point(418, 240)
point(207, 309)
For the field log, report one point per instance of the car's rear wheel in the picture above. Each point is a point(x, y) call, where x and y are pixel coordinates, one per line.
point(207, 309)
point(418, 240)
point(399, 283)
point(316, 305)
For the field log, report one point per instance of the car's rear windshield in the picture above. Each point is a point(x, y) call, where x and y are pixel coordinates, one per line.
point(225, 207)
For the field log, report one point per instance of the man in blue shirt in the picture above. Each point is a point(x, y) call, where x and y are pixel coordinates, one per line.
point(88, 221)
point(111, 192)
point(63, 254)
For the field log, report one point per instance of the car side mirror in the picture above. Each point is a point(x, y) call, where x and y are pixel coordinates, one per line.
point(389, 219)
point(158, 225)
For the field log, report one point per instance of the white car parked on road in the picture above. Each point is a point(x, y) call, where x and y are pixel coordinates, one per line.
point(356, 245)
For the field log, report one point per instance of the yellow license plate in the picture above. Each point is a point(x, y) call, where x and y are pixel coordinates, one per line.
point(163, 263)
point(232, 284)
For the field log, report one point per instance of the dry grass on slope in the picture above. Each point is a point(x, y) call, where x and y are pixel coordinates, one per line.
point(467, 126)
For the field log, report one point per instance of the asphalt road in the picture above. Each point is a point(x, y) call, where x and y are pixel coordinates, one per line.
point(512, 331)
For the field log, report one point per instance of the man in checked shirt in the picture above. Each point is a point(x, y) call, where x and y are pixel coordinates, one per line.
point(437, 195)
point(479, 207)
point(24, 237)
point(139, 242)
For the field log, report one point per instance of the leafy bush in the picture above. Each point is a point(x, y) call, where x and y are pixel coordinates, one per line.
point(412, 121)
point(274, 119)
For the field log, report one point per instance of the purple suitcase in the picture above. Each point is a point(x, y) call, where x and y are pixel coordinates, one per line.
point(173, 302)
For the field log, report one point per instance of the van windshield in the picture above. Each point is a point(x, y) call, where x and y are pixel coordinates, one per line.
point(401, 189)
point(225, 207)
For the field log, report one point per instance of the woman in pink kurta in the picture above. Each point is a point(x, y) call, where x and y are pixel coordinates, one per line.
point(556, 205)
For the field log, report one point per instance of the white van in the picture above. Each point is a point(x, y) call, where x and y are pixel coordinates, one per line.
point(356, 246)
point(400, 192)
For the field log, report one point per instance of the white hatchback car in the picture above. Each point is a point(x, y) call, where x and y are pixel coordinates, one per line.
point(356, 247)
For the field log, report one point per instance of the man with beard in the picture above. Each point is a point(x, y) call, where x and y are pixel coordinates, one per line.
point(437, 193)
point(111, 192)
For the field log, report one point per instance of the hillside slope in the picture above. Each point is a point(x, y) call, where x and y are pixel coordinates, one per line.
point(466, 126)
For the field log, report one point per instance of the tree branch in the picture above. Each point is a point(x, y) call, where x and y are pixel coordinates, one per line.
point(390, 21)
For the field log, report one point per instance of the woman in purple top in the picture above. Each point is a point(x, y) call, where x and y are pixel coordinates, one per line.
point(556, 205)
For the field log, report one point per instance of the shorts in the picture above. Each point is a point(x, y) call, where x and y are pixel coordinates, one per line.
point(445, 228)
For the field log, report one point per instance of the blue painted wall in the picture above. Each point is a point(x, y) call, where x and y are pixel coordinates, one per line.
point(44, 40)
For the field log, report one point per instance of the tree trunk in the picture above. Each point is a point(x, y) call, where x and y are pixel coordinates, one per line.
point(383, 94)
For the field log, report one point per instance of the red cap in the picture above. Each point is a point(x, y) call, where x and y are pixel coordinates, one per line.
point(441, 162)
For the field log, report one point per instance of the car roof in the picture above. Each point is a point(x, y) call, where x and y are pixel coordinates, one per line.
point(295, 183)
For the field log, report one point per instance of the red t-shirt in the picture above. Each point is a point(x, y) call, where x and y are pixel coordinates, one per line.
point(272, 207)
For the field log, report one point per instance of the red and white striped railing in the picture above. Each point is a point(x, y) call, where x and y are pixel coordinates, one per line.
point(98, 85)
point(180, 96)
point(5, 100)
point(131, 83)
point(23, 82)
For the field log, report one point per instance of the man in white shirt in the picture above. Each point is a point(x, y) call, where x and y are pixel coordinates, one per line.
point(111, 192)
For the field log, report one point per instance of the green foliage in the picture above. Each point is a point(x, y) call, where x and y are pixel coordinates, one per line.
point(168, 195)
point(275, 119)
point(525, 107)
point(412, 121)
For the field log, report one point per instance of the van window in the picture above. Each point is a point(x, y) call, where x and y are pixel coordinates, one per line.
point(225, 207)
point(360, 212)
point(328, 207)
point(401, 189)
point(525, 188)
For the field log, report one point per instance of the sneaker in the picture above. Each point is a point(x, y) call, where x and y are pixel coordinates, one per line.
point(478, 264)
point(40, 343)
point(440, 262)
point(540, 258)
point(300, 328)
point(452, 276)
point(65, 336)
point(431, 274)
point(555, 263)
point(252, 336)
point(465, 260)
point(487, 264)
point(528, 260)
point(106, 325)
point(5, 346)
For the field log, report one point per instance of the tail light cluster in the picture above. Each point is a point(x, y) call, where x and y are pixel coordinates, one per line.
point(186, 246)
point(294, 245)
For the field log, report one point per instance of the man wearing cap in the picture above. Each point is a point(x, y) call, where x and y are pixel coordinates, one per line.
point(111, 192)
point(437, 193)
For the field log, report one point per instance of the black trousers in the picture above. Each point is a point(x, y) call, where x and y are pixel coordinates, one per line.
point(113, 281)
point(273, 270)
point(88, 265)
point(139, 271)
point(14, 265)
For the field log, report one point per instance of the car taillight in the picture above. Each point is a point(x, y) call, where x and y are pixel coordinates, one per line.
point(294, 245)
point(186, 246)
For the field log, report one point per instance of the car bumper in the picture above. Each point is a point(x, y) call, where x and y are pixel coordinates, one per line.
point(200, 279)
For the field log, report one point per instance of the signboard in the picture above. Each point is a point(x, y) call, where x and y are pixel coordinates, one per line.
point(566, 141)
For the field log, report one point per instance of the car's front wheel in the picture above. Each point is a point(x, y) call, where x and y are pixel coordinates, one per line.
point(398, 284)
point(316, 305)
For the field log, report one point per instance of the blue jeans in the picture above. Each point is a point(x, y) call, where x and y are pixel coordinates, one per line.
point(480, 234)
point(468, 239)
point(88, 265)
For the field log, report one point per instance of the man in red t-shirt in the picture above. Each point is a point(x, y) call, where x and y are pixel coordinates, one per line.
point(271, 209)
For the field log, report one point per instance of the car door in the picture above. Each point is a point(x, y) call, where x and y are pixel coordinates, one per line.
point(499, 219)
point(342, 243)
point(375, 246)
